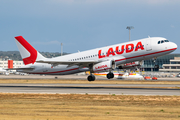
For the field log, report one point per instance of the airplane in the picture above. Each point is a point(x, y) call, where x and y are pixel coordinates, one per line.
point(130, 76)
point(3, 71)
point(104, 59)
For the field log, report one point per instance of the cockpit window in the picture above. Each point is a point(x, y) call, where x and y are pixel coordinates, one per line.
point(162, 41)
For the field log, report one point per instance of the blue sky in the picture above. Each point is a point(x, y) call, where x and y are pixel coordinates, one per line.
point(86, 24)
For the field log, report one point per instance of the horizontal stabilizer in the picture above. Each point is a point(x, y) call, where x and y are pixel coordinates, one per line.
point(23, 69)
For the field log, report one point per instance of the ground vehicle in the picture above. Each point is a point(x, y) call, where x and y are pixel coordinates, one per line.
point(147, 77)
point(154, 78)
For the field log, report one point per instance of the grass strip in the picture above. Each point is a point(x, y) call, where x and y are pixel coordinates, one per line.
point(92, 107)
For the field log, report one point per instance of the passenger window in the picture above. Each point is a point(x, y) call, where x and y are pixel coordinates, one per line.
point(162, 41)
point(166, 40)
point(159, 42)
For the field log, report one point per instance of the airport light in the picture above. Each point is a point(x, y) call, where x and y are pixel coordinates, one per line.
point(61, 49)
point(129, 28)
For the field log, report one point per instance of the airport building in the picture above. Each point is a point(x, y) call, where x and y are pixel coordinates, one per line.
point(174, 66)
point(10, 64)
point(163, 62)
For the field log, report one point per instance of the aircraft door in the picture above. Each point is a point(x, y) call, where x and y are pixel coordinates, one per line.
point(148, 45)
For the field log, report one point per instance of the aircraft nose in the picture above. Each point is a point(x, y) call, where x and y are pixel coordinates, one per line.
point(174, 45)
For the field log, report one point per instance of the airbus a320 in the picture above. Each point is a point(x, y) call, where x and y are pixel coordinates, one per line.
point(104, 59)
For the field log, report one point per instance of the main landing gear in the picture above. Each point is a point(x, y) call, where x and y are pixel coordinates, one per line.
point(91, 78)
point(110, 75)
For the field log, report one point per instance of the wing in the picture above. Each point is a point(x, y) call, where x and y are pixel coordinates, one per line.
point(85, 63)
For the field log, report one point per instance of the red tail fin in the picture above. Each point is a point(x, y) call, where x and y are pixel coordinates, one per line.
point(28, 53)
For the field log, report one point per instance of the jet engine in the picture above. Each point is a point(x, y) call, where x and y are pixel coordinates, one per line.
point(103, 66)
point(131, 65)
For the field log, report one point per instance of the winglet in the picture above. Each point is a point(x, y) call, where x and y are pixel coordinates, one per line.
point(28, 53)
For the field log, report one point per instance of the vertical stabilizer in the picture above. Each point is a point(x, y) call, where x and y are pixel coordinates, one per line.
point(28, 53)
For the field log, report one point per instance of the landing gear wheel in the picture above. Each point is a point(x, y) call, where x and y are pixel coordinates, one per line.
point(91, 78)
point(110, 75)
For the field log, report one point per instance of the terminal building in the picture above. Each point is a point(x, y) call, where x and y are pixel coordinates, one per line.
point(164, 62)
point(174, 65)
point(10, 64)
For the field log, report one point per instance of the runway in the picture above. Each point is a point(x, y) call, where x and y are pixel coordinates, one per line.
point(118, 89)
point(70, 77)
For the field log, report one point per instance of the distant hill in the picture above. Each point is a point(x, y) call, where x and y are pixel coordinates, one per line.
point(15, 55)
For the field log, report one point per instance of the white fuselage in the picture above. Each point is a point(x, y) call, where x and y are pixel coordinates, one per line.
point(121, 53)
